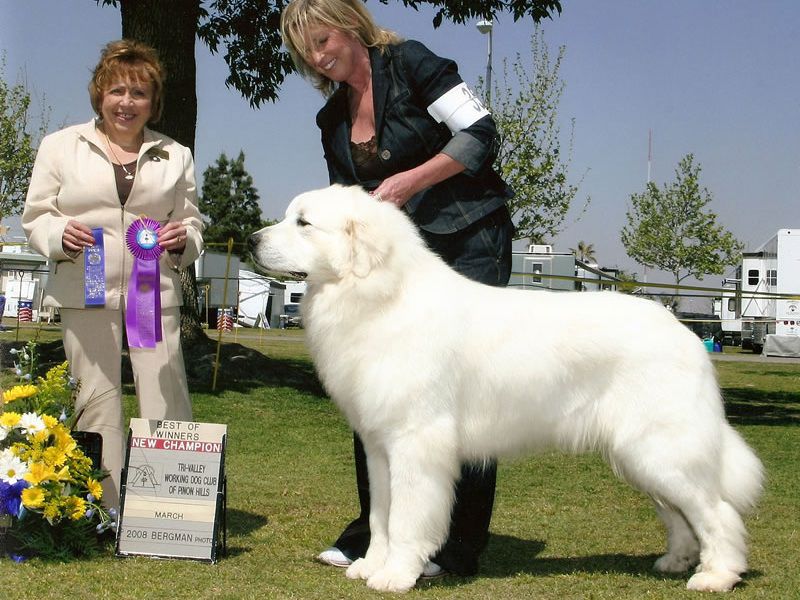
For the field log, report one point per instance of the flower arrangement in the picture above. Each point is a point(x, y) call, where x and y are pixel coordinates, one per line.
point(50, 491)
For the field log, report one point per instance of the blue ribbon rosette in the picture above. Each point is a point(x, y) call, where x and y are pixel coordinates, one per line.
point(143, 309)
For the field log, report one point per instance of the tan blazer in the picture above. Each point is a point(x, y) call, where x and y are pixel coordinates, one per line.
point(74, 179)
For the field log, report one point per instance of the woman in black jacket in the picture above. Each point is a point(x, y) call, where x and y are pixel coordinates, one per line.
point(400, 122)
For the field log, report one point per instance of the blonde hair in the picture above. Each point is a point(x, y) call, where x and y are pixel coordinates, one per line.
point(350, 16)
point(131, 61)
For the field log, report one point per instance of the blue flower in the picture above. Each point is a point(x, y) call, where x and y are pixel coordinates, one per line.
point(10, 497)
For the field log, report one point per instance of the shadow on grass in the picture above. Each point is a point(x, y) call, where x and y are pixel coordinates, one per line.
point(751, 406)
point(507, 556)
point(241, 522)
point(241, 368)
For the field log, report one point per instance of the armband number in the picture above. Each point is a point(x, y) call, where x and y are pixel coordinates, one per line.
point(458, 108)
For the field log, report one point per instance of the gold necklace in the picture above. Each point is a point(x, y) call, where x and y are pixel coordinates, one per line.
point(128, 174)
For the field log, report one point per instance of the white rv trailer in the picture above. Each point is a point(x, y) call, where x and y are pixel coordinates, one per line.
point(765, 296)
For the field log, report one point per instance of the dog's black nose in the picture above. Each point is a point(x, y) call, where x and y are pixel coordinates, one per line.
point(252, 242)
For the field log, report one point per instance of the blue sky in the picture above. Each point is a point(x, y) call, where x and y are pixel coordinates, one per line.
point(717, 78)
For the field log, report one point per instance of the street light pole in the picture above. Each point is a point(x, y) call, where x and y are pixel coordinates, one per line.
point(486, 27)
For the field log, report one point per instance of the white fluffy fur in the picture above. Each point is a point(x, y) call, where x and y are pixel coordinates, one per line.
point(432, 369)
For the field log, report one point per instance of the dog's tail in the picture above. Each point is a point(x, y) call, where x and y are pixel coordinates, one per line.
point(742, 472)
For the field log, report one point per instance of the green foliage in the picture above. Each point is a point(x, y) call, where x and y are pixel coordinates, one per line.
point(584, 252)
point(249, 30)
point(229, 202)
point(530, 158)
point(17, 144)
point(461, 11)
point(34, 536)
point(671, 228)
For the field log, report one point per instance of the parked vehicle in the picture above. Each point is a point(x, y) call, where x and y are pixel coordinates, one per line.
point(762, 299)
point(291, 316)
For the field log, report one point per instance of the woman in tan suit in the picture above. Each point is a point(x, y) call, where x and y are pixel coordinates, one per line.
point(94, 186)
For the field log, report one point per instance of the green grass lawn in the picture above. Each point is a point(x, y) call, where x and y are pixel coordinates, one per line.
point(563, 526)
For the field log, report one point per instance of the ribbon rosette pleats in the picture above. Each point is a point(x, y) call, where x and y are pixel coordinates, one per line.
point(143, 310)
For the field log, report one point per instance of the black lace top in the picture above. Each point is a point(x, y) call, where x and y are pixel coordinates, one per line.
point(365, 159)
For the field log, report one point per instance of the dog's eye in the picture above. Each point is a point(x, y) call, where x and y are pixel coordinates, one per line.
point(301, 222)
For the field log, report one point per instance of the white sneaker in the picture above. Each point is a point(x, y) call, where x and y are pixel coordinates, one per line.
point(334, 557)
point(431, 570)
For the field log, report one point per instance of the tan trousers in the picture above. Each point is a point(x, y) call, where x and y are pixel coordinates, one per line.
point(93, 347)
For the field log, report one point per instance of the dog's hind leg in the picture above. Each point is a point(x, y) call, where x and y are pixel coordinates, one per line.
point(718, 527)
point(379, 482)
point(423, 470)
point(723, 543)
point(683, 549)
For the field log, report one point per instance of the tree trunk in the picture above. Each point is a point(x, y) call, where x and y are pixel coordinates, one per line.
point(155, 22)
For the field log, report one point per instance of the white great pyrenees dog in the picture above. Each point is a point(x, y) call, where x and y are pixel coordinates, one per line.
point(432, 370)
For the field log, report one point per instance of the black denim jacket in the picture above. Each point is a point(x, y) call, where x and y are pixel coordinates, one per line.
point(406, 79)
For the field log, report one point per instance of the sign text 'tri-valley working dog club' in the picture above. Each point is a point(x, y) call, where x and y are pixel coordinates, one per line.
point(173, 490)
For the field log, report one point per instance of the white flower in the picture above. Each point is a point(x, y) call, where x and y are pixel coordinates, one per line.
point(30, 423)
point(11, 467)
point(3, 433)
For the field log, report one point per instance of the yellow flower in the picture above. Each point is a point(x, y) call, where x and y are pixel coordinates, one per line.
point(63, 440)
point(94, 487)
point(52, 512)
point(33, 497)
point(49, 421)
point(63, 474)
point(54, 456)
point(18, 392)
point(9, 419)
point(75, 507)
point(39, 472)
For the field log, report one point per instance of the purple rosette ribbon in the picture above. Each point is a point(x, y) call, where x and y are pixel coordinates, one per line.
point(143, 310)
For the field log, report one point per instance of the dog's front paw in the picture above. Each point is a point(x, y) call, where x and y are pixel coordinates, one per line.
point(713, 581)
point(361, 569)
point(675, 564)
point(392, 580)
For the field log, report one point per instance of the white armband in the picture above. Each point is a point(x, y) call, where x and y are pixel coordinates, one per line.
point(458, 108)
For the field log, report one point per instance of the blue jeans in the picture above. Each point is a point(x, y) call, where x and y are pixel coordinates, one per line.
point(481, 252)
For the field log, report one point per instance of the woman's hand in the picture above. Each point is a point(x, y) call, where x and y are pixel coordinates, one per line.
point(76, 237)
point(172, 237)
point(399, 188)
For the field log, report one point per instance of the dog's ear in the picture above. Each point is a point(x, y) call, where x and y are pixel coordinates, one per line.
point(364, 249)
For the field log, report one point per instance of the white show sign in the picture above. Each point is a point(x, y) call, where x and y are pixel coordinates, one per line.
point(173, 490)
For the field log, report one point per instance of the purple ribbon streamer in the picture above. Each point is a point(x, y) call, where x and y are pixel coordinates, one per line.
point(143, 309)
